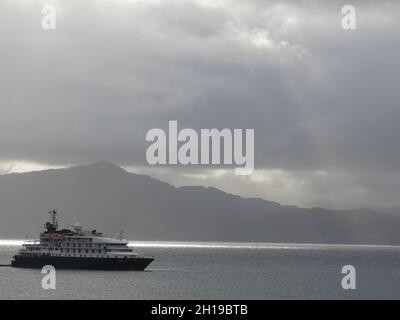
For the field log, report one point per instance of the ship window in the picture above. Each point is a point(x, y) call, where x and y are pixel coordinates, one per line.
point(93, 251)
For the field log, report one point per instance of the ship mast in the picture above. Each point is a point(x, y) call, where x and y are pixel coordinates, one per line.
point(53, 216)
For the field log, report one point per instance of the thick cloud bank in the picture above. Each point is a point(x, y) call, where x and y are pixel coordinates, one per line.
point(324, 102)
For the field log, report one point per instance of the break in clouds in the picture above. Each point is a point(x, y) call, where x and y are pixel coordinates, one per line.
point(324, 102)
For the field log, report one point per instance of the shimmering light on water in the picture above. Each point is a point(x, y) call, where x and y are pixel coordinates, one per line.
point(220, 245)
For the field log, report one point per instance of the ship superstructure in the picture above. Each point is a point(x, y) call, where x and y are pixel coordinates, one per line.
point(78, 249)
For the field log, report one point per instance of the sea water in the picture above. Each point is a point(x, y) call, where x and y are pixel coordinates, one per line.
point(220, 271)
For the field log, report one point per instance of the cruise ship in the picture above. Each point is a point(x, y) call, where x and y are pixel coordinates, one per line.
point(78, 249)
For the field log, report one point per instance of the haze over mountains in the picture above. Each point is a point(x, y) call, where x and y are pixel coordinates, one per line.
point(105, 197)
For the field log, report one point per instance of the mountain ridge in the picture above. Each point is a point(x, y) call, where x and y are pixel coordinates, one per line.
point(106, 197)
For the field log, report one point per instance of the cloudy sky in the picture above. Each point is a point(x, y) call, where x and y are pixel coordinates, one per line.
point(324, 102)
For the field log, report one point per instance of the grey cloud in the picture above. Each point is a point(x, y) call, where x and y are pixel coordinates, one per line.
point(319, 98)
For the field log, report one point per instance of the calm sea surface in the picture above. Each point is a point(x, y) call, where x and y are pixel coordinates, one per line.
point(221, 271)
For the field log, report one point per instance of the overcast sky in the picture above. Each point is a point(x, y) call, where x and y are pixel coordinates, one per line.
point(324, 102)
